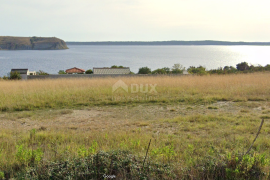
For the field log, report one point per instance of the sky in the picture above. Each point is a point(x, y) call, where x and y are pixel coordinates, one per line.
point(137, 20)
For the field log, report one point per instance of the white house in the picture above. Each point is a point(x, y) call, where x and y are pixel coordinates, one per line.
point(24, 72)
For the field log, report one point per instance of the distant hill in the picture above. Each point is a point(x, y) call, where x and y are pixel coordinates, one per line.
point(31, 43)
point(195, 43)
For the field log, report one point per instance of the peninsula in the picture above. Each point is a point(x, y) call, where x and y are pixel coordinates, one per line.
point(183, 43)
point(31, 43)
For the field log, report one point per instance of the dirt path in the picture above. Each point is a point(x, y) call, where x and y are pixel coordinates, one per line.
point(115, 117)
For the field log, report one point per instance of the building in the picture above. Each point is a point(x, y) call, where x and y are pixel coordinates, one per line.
point(185, 72)
point(111, 70)
point(75, 71)
point(24, 72)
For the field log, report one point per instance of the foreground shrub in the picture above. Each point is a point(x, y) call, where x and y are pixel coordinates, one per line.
point(114, 164)
point(230, 167)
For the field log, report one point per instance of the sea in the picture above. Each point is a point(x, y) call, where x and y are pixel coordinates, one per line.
point(89, 56)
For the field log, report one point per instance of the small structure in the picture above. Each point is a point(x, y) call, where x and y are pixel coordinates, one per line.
point(24, 72)
point(75, 71)
point(125, 70)
point(185, 72)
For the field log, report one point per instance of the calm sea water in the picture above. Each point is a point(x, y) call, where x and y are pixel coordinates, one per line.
point(87, 57)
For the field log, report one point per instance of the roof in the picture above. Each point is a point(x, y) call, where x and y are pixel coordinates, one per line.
point(75, 70)
point(111, 70)
point(21, 71)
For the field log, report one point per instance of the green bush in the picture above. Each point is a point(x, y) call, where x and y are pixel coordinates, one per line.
point(62, 72)
point(159, 71)
point(89, 71)
point(144, 70)
point(177, 69)
point(242, 66)
point(15, 76)
point(197, 70)
point(5, 78)
point(40, 72)
point(233, 166)
point(164, 70)
point(116, 164)
point(267, 67)
point(114, 66)
point(2, 175)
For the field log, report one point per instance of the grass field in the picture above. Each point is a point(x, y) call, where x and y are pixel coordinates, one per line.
point(70, 93)
point(194, 122)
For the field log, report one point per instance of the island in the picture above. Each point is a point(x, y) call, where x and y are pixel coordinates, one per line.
point(31, 43)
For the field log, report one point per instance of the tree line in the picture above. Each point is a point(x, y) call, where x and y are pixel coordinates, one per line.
point(242, 67)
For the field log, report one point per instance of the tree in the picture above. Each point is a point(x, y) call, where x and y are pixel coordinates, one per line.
point(5, 78)
point(178, 69)
point(159, 71)
point(144, 70)
point(167, 70)
point(114, 66)
point(40, 72)
point(267, 67)
point(15, 76)
point(242, 66)
point(229, 69)
point(89, 71)
point(62, 72)
point(197, 70)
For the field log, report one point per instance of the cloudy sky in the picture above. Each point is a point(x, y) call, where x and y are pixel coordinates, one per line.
point(137, 20)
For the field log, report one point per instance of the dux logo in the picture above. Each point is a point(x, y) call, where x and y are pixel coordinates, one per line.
point(135, 88)
point(118, 85)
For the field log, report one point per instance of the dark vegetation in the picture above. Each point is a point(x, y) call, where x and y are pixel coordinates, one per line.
point(200, 70)
point(144, 70)
point(121, 164)
point(89, 71)
point(15, 76)
point(61, 72)
point(115, 164)
point(115, 66)
point(40, 72)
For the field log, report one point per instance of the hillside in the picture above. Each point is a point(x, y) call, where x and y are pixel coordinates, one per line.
point(31, 43)
point(164, 43)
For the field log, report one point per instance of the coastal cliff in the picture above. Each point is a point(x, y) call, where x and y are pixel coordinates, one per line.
point(31, 43)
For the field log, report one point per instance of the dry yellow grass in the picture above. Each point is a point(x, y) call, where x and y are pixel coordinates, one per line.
point(179, 121)
point(36, 94)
